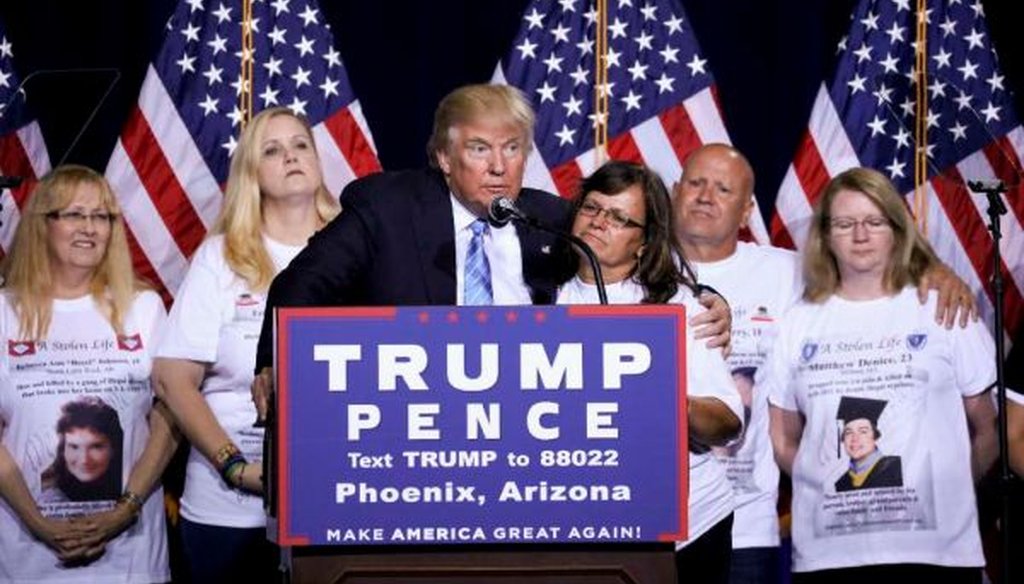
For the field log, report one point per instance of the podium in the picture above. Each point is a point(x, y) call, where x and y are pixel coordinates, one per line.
point(485, 445)
point(554, 564)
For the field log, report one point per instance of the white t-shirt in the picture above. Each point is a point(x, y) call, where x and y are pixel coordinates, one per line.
point(921, 506)
point(711, 498)
point(216, 319)
point(80, 358)
point(760, 283)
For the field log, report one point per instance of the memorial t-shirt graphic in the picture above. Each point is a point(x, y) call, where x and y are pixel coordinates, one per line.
point(876, 471)
point(88, 462)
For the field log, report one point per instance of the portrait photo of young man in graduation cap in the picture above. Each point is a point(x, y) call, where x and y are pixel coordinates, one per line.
point(869, 468)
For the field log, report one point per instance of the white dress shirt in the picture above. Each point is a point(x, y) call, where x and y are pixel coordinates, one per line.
point(501, 245)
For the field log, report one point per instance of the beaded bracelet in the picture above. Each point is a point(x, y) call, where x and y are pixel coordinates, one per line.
point(224, 454)
point(228, 472)
point(133, 501)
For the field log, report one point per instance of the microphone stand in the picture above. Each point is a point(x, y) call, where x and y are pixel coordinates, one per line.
point(602, 294)
point(992, 191)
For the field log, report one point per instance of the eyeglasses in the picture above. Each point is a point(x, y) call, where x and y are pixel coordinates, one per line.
point(843, 226)
point(615, 217)
point(78, 218)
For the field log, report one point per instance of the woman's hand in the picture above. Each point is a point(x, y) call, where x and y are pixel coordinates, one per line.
point(715, 324)
point(63, 537)
point(99, 528)
point(251, 477)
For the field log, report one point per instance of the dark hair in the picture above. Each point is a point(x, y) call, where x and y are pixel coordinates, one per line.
point(94, 414)
point(662, 268)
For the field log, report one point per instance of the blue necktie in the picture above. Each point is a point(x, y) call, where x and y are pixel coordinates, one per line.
point(477, 287)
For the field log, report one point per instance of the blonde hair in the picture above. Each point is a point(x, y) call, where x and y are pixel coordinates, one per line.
point(28, 274)
point(911, 257)
point(473, 102)
point(241, 217)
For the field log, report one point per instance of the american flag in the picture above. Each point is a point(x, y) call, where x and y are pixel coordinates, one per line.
point(22, 150)
point(172, 158)
point(865, 117)
point(661, 94)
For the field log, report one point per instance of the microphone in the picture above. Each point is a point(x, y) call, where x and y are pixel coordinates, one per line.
point(987, 186)
point(20, 92)
point(502, 210)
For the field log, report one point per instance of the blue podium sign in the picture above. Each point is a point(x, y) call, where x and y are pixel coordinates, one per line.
point(445, 425)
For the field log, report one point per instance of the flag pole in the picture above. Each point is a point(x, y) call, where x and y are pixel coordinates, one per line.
point(246, 81)
point(921, 119)
point(601, 85)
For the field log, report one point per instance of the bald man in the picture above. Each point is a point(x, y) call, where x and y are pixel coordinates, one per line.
point(713, 202)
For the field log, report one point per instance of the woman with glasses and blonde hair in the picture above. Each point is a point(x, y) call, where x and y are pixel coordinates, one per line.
point(862, 377)
point(275, 200)
point(623, 213)
point(78, 329)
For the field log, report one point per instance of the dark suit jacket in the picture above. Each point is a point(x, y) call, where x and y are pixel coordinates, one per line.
point(394, 245)
point(887, 472)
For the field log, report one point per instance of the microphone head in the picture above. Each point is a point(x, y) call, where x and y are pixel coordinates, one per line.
point(501, 211)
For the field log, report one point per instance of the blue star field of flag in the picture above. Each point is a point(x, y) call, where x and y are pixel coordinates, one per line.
point(654, 63)
point(295, 65)
point(968, 104)
point(13, 111)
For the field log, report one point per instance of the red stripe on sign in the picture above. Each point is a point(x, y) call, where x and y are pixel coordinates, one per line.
point(973, 236)
point(810, 168)
point(157, 177)
point(14, 162)
point(352, 142)
point(623, 147)
point(680, 131)
point(567, 178)
point(144, 269)
point(780, 234)
point(1003, 158)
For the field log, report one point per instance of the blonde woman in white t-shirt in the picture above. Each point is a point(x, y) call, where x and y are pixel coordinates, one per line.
point(275, 200)
point(80, 435)
point(879, 413)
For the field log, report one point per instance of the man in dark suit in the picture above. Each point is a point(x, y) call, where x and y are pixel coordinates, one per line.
point(414, 237)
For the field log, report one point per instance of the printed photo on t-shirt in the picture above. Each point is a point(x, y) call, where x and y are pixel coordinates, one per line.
point(89, 457)
point(859, 434)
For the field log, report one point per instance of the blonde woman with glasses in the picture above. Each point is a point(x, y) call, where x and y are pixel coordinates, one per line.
point(80, 436)
point(879, 414)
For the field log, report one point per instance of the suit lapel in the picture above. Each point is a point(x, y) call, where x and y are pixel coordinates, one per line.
point(433, 232)
point(537, 251)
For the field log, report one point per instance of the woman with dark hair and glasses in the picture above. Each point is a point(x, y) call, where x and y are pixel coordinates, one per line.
point(78, 330)
point(623, 213)
point(880, 414)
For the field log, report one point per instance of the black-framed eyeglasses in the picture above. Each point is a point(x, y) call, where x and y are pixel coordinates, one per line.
point(614, 216)
point(78, 218)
